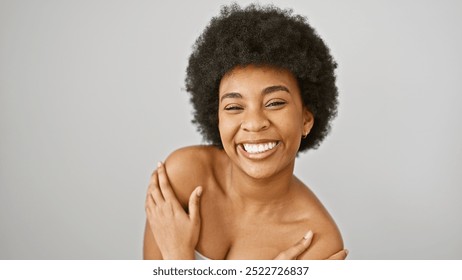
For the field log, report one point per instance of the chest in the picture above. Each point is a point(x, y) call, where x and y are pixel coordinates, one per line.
point(226, 234)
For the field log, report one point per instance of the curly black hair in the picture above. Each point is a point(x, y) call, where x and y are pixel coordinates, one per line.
point(266, 36)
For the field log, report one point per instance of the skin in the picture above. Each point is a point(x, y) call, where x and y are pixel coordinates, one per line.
point(249, 205)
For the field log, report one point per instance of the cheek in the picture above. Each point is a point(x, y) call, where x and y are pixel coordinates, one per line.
point(290, 123)
point(227, 127)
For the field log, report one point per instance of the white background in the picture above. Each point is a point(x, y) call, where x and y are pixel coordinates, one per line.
point(91, 97)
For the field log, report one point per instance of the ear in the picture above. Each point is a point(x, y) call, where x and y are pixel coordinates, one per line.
point(308, 122)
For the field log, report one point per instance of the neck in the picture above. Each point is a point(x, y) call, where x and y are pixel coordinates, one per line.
point(260, 194)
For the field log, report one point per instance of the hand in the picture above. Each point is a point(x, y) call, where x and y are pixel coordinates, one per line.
point(296, 250)
point(176, 233)
point(301, 246)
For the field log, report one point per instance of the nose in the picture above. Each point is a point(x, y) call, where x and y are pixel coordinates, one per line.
point(254, 120)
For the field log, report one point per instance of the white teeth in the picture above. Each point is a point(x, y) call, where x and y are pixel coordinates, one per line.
point(259, 148)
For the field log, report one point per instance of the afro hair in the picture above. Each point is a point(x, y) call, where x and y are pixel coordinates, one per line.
point(266, 36)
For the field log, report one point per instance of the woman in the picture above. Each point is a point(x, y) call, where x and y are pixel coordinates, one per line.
point(263, 88)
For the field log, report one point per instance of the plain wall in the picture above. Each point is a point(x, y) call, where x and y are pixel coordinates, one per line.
point(92, 96)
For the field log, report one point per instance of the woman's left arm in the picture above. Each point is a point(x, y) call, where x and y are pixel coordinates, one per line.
point(327, 244)
point(296, 251)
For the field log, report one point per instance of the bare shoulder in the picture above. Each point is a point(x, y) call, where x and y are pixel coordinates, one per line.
point(327, 239)
point(188, 168)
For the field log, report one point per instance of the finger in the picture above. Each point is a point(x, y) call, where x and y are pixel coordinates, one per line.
point(296, 250)
point(340, 255)
point(194, 205)
point(154, 190)
point(149, 200)
point(149, 205)
point(164, 183)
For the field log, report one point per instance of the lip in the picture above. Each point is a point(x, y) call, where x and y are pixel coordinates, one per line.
point(258, 156)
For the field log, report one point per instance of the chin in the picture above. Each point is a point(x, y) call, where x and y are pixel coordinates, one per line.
point(259, 172)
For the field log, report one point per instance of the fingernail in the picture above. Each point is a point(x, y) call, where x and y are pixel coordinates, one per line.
point(308, 235)
point(159, 164)
point(346, 252)
point(199, 191)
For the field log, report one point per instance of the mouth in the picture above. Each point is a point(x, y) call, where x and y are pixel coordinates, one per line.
point(259, 148)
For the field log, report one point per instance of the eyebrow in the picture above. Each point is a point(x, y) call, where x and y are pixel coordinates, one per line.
point(272, 89)
point(231, 95)
point(265, 91)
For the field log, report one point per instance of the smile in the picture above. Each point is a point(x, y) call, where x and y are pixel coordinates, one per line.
point(258, 148)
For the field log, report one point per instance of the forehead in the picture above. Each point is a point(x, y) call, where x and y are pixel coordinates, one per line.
point(251, 77)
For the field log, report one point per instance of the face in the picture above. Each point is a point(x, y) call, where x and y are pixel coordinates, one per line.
point(262, 119)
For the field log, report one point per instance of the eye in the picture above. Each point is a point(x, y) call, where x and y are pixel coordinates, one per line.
point(276, 103)
point(233, 107)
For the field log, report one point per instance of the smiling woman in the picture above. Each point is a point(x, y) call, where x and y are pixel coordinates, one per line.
point(263, 88)
point(261, 107)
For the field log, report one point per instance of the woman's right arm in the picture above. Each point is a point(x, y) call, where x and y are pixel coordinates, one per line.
point(176, 232)
point(150, 249)
point(178, 195)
